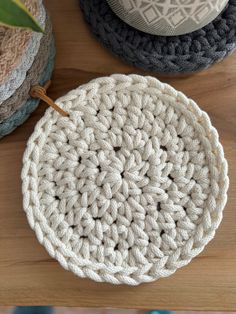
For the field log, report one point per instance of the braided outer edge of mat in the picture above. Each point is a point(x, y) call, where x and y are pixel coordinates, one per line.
point(22, 114)
point(97, 271)
point(170, 64)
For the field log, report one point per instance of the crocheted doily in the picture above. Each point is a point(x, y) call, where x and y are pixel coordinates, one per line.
point(177, 54)
point(131, 186)
point(13, 42)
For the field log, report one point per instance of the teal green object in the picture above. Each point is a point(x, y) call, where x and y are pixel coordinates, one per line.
point(159, 312)
point(22, 114)
point(33, 310)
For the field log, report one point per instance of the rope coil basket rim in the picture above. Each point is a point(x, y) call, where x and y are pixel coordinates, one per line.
point(116, 274)
point(19, 73)
point(14, 42)
point(27, 107)
point(21, 94)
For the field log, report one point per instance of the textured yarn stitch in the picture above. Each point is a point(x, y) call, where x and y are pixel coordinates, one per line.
point(9, 106)
point(13, 42)
point(177, 54)
point(131, 186)
point(18, 75)
point(22, 114)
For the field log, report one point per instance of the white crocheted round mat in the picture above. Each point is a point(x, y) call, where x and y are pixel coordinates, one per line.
point(128, 188)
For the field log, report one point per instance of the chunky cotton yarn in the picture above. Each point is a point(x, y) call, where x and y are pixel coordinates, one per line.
point(131, 186)
point(9, 106)
point(14, 41)
point(27, 59)
point(17, 75)
point(172, 54)
point(21, 114)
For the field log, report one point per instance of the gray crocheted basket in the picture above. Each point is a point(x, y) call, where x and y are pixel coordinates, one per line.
point(178, 54)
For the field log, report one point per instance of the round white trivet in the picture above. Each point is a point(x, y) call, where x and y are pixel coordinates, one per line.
point(131, 186)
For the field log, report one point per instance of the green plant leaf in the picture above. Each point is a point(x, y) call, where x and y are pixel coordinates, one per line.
point(15, 14)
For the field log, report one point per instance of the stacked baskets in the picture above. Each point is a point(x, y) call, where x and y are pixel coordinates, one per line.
point(26, 59)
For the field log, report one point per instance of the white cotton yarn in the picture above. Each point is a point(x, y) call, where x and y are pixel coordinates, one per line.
point(131, 186)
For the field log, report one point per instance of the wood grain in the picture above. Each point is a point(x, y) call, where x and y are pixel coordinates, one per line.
point(28, 276)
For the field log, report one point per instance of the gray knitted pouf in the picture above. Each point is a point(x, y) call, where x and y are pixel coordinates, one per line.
point(177, 54)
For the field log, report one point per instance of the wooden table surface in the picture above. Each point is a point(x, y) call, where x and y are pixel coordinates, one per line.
point(28, 276)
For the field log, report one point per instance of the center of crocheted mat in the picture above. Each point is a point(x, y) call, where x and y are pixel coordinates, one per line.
point(133, 182)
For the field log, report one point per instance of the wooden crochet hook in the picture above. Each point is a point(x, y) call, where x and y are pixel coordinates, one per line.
point(40, 92)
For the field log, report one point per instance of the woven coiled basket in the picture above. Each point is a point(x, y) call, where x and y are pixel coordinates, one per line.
point(26, 59)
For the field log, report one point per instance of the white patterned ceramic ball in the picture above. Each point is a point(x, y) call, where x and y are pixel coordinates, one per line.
point(167, 17)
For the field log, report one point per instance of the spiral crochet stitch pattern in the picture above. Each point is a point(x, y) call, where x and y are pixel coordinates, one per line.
point(175, 54)
point(131, 186)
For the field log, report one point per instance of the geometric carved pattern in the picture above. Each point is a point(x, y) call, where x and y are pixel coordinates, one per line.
point(174, 12)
